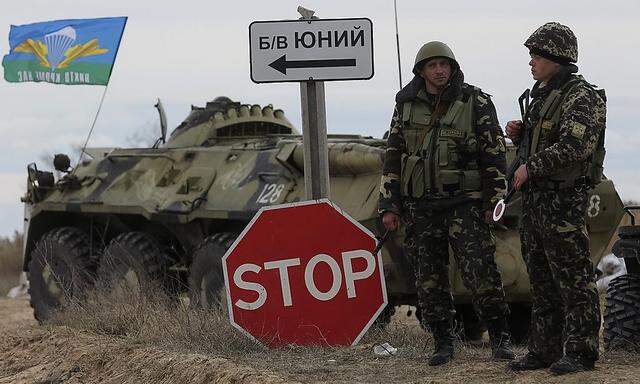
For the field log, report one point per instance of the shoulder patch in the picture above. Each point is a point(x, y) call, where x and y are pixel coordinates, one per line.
point(578, 130)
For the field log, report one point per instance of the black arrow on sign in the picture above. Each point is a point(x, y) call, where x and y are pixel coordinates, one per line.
point(281, 64)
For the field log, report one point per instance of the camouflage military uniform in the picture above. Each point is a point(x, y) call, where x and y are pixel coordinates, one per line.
point(437, 220)
point(555, 244)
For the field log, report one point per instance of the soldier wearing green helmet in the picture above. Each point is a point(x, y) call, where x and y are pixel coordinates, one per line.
point(431, 50)
point(443, 172)
point(563, 130)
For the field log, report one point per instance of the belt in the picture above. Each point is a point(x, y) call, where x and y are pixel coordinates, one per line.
point(559, 185)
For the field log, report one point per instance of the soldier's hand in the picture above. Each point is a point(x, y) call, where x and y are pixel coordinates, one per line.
point(520, 177)
point(488, 217)
point(513, 129)
point(390, 220)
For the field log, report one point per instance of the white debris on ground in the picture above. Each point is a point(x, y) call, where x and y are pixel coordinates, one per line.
point(21, 290)
point(384, 349)
point(611, 267)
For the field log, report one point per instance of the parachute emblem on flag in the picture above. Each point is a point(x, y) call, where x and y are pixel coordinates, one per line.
point(57, 43)
point(57, 51)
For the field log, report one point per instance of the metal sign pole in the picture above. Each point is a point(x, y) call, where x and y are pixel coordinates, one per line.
point(314, 135)
point(314, 138)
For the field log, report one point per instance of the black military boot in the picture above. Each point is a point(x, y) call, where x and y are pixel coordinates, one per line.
point(443, 338)
point(570, 363)
point(500, 339)
point(528, 362)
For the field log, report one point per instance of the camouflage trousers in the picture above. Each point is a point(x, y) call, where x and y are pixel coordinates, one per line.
point(429, 235)
point(555, 247)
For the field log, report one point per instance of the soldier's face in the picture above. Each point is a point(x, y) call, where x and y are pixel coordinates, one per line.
point(437, 72)
point(542, 68)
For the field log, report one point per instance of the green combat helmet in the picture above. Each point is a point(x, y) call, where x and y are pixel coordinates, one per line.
point(556, 40)
point(429, 51)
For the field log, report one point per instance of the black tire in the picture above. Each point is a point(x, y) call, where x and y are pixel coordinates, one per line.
point(61, 268)
point(622, 313)
point(629, 232)
point(206, 279)
point(520, 322)
point(626, 248)
point(135, 261)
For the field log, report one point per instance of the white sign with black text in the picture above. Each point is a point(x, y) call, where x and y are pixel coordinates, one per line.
point(316, 49)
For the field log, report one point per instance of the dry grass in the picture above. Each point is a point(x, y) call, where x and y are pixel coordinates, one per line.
point(10, 262)
point(154, 320)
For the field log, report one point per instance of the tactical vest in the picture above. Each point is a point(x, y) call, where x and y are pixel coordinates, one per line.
point(550, 114)
point(435, 149)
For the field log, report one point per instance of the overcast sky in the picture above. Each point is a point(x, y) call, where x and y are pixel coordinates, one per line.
point(189, 52)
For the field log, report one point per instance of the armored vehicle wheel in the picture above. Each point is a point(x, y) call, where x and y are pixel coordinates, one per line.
point(206, 279)
point(61, 268)
point(133, 263)
point(629, 232)
point(622, 313)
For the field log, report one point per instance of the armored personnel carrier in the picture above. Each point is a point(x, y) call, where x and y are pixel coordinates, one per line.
point(169, 212)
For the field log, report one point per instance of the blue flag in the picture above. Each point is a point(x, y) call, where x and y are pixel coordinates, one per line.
point(80, 51)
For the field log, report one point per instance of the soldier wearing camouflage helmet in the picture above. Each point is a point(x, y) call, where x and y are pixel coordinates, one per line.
point(565, 124)
point(444, 170)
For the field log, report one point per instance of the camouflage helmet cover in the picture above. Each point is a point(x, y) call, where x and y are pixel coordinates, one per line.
point(431, 50)
point(555, 40)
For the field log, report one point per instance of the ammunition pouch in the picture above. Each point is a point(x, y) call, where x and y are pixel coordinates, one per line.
point(447, 182)
point(455, 182)
point(413, 183)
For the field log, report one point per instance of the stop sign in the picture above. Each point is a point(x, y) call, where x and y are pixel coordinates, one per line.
point(304, 273)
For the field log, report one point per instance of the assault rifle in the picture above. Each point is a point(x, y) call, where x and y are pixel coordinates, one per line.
point(522, 153)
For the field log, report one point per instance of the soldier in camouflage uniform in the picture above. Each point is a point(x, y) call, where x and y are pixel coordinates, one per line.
point(565, 119)
point(443, 173)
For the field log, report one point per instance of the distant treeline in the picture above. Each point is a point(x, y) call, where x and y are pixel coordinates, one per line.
point(10, 261)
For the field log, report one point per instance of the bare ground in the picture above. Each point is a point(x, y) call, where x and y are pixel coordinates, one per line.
point(30, 353)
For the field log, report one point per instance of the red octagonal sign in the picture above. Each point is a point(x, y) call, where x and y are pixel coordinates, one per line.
point(304, 274)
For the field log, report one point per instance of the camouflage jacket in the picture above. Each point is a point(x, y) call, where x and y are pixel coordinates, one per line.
point(491, 159)
point(573, 140)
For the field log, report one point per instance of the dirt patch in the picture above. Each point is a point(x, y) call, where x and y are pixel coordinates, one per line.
point(58, 354)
